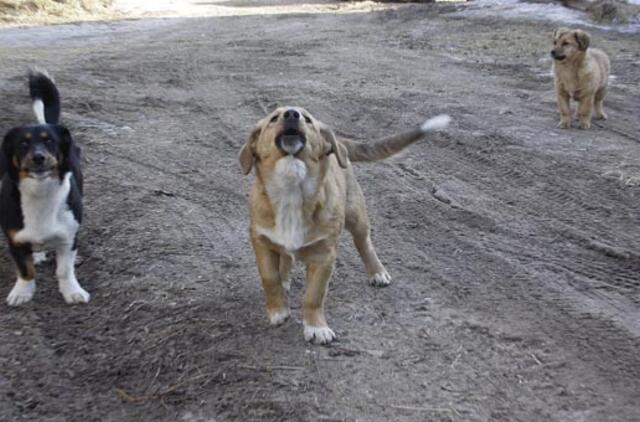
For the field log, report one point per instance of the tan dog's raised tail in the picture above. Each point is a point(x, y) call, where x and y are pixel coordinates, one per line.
point(580, 73)
point(304, 194)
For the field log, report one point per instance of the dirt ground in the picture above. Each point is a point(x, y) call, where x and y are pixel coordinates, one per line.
point(514, 246)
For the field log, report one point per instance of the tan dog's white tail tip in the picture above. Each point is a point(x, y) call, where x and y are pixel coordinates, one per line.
point(436, 123)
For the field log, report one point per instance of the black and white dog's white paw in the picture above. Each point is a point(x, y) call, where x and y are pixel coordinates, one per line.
point(39, 258)
point(22, 292)
point(73, 293)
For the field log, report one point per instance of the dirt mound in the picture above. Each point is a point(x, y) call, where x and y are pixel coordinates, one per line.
point(614, 11)
point(607, 11)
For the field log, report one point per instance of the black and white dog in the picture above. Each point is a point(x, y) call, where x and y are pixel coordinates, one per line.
point(41, 195)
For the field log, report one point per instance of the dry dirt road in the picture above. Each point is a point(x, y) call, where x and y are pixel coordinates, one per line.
point(514, 246)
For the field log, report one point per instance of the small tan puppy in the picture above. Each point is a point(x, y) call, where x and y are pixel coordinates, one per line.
point(304, 194)
point(580, 73)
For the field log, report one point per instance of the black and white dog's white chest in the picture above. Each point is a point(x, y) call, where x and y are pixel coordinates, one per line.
point(48, 218)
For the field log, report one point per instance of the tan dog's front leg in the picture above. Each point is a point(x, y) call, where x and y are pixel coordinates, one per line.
point(564, 108)
point(584, 112)
point(268, 266)
point(286, 261)
point(319, 270)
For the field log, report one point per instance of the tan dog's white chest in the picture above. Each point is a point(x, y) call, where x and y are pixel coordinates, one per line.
point(288, 188)
point(47, 219)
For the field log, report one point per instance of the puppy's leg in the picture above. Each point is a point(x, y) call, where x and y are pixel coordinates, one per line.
point(564, 108)
point(357, 222)
point(268, 266)
point(25, 286)
point(65, 271)
point(599, 104)
point(584, 112)
point(319, 270)
point(286, 261)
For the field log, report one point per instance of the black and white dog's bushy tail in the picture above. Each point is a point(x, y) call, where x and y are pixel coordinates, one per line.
point(45, 97)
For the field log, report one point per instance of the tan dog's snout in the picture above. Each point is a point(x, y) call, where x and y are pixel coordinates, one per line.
point(291, 140)
point(291, 116)
point(557, 55)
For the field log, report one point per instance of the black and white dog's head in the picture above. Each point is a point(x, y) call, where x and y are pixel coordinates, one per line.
point(43, 150)
point(38, 152)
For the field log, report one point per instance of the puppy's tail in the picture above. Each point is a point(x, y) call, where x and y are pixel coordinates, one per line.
point(45, 97)
point(387, 147)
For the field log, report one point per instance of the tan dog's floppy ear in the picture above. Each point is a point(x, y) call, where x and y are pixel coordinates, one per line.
point(247, 157)
point(582, 38)
point(336, 147)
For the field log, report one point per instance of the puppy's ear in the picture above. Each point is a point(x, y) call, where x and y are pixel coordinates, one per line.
point(247, 154)
point(582, 38)
point(336, 147)
point(7, 154)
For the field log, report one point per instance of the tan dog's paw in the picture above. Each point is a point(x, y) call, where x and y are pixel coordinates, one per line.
point(279, 316)
point(564, 124)
point(381, 279)
point(584, 124)
point(318, 335)
point(601, 116)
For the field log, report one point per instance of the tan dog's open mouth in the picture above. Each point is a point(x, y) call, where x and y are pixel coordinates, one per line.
point(291, 141)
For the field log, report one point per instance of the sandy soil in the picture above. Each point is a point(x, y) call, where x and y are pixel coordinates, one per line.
point(513, 245)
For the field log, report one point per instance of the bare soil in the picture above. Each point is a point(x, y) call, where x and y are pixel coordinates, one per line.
point(514, 246)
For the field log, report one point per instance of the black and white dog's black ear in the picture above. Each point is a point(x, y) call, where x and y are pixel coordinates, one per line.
point(66, 149)
point(70, 152)
point(7, 164)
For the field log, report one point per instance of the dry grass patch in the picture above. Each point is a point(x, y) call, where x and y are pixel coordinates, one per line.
point(36, 12)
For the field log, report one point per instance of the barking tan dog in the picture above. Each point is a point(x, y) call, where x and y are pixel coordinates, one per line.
point(580, 73)
point(304, 194)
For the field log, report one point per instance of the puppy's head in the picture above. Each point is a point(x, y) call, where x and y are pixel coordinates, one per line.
point(568, 43)
point(290, 133)
point(37, 152)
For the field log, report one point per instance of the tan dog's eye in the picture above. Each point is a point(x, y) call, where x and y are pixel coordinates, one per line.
point(307, 119)
point(274, 118)
point(564, 44)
